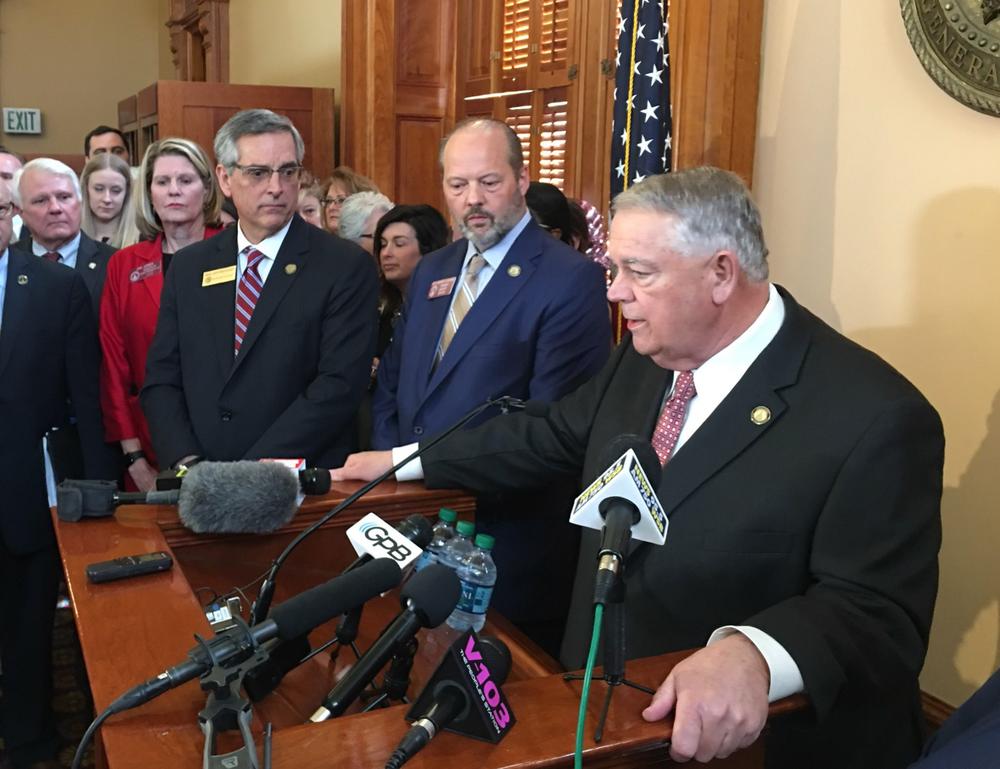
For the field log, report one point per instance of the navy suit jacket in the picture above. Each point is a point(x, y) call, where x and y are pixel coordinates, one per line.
point(92, 260)
point(48, 354)
point(539, 329)
point(970, 738)
point(305, 362)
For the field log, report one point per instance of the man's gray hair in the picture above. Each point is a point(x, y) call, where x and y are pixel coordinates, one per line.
point(252, 122)
point(356, 210)
point(48, 165)
point(712, 209)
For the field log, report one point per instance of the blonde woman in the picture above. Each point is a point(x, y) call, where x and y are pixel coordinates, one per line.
point(106, 186)
point(177, 204)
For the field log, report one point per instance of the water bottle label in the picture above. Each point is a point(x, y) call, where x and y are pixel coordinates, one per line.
point(426, 559)
point(475, 599)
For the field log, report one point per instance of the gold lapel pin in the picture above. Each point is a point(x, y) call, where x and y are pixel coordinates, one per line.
point(92, 265)
point(22, 280)
point(514, 270)
point(760, 415)
point(290, 269)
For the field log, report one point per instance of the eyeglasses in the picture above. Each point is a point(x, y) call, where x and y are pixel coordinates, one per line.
point(262, 174)
point(5, 210)
point(338, 199)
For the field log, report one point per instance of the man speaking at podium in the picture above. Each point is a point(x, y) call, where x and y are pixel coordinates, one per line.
point(802, 478)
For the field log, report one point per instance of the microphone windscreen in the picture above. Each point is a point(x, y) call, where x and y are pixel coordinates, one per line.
point(644, 452)
point(238, 497)
point(314, 481)
point(417, 529)
point(432, 594)
point(496, 657)
point(298, 615)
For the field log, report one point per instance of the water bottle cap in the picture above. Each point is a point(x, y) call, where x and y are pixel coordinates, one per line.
point(465, 528)
point(446, 514)
point(485, 541)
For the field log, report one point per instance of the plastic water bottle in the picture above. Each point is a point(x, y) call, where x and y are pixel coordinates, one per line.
point(459, 546)
point(478, 575)
point(441, 535)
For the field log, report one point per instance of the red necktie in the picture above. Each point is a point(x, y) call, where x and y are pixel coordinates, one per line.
point(247, 294)
point(52, 256)
point(668, 426)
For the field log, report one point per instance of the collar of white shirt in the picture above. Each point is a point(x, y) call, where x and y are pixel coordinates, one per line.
point(67, 251)
point(269, 247)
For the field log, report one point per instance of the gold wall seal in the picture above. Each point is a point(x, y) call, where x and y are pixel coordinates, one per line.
point(958, 42)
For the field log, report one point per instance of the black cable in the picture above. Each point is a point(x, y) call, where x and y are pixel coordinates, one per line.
point(87, 736)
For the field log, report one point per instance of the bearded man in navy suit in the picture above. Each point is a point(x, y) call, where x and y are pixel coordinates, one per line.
point(507, 310)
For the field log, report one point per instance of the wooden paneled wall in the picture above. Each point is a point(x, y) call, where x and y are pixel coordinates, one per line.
point(401, 83)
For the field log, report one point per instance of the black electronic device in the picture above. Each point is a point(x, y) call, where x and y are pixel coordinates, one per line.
point(129, 566)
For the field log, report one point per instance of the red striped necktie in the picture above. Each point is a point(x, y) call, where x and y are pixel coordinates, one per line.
point(247, 294)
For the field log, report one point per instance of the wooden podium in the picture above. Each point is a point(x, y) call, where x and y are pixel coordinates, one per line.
point(131, 630)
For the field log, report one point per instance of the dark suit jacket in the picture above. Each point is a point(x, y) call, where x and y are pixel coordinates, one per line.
point(539, 329)
point(48, 354)
point(970, 738)
point(304, 364)
point(91, 262)
point(821, 526)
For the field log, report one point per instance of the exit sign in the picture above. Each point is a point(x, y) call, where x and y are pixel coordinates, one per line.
point(22, 121)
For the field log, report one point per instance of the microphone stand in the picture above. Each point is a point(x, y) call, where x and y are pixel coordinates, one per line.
point(613, 630)
point(227, 709)
point(266, 593)
point(396, 680)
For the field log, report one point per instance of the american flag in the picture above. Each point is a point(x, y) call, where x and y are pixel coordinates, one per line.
point(641, 132)
point(641, 140)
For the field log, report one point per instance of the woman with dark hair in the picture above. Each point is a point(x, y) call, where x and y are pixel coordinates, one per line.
point(401, 238)
point(177, 204)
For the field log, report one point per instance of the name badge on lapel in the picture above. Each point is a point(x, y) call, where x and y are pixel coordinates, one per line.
point(441, 287)
point(221, 275)
point(144, 271)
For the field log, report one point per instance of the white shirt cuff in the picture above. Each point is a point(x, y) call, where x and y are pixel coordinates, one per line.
point(412, 470)
point(786, 679)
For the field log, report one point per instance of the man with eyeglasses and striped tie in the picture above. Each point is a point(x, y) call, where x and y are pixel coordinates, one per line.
point(266, 331)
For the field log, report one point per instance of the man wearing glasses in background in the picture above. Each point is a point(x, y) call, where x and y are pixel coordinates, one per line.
point(266, 331)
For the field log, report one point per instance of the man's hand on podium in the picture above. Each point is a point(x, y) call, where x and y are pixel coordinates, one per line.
point(364, 466)
point(719, 699)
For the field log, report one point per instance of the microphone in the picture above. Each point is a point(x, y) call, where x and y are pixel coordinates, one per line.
point(463, 695)
point(291, 619)
point(622, 503)
point(266, 592)
point(313, 481)
point(76, 499)
point(237, 497)
point(289, 655)
point(427, 600)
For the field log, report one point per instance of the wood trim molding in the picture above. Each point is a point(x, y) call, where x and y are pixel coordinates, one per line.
point(936, 710)
point(199, 39)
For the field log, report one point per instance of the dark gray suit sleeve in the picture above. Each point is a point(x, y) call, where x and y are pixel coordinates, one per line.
point(83, 361)
point(865, 618)
point(162, 395)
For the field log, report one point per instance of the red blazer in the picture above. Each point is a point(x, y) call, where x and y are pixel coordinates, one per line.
point(129, 307)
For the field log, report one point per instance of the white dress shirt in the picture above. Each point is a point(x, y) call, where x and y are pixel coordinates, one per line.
point(269, 247)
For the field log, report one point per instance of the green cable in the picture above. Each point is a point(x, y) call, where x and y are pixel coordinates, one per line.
point(587, 674)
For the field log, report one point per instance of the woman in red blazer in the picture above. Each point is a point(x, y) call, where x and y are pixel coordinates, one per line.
point(178, 205)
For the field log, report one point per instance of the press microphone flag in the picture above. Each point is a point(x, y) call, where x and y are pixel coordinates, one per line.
point(624, 479)
point(374, 537)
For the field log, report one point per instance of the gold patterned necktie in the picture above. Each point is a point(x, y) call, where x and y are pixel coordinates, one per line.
point(463, 302)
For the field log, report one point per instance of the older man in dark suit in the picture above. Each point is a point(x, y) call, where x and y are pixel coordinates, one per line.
point(802, 478)
point(48, 194)
point(266, 332)
point(48, 356)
